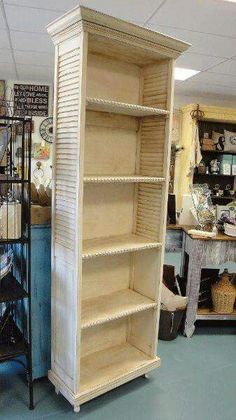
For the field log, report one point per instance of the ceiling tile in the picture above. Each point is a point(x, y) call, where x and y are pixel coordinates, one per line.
point(228, 67)
point(29, 19)
point(31, 42)
point(193, 88)
point(4, 42)
point(213, 45)
point(2, 21)
point(5, 56)
point(197, 61)
point(224, 80)
point(133, 11)
point(7, 71)
point(33, 73)
point(60, 5)
point(209, 16)
point(34, 58)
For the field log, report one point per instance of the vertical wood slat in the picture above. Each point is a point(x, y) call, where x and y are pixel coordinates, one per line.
point(149, 210)
point(66, 143)
point(152, 146)
point(155, 85)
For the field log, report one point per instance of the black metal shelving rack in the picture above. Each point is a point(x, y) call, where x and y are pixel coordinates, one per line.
point(15, 287)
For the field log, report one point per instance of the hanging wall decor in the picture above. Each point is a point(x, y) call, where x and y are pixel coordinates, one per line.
point(41, 151)
point(46, 129)
point(31, 100)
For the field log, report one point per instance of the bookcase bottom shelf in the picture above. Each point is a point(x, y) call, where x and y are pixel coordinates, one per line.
point(105, 370)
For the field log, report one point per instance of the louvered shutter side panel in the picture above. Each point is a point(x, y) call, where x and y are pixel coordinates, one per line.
point(65, 225)
point(66, 163)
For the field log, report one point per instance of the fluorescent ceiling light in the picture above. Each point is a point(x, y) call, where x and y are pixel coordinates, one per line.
point(184, 74)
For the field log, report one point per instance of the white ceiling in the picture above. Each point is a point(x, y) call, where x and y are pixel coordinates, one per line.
point(26, 51)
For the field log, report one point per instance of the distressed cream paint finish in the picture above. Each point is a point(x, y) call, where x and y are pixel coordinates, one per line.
point(112, 119)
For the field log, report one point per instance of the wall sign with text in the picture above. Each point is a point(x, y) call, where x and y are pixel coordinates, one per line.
point(31, 100)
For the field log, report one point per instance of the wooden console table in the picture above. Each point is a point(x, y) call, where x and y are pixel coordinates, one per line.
point(202, 252)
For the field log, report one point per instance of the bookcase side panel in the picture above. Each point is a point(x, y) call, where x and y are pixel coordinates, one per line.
point(67, 196)
point(166, 171)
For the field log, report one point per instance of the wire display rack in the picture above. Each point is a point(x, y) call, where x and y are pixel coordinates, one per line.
point(15, 243)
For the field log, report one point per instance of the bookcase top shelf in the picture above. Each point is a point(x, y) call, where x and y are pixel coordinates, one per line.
point(103, 105)
point(116, 245)
point(92, 179)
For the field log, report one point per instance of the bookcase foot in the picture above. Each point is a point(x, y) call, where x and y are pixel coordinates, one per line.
point(57, 391)
point(76, 408)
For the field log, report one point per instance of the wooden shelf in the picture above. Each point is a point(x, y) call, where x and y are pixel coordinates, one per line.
point(212, 175)
point(209, 315)
point(114, 306)
point(107, 369)
point(219, 197)
point(116, 245)
point(92, 179)
point(95, 104)
point(218, 152)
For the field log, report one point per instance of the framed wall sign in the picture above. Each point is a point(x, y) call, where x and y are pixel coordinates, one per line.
point(31, 100)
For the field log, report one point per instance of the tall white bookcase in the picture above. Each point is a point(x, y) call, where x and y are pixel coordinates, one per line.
point(112, 121)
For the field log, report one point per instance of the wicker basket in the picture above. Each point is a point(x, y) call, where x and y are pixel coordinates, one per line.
point(223, 295)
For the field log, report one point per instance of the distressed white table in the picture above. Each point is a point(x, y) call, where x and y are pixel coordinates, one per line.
point(202, 252)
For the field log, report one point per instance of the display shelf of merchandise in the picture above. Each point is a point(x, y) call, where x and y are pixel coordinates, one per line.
point(219, 197)
point(11, 289)
point(213, 175)
point(116, 245)
point(92, 179)
point(106, 369)
point(113, 110)
point(15, 320)
point(9, 351)
point(214, 152)
point(23, 239)
point(114, 306)
point(102, 105)
point(12, 180)
point(209, 315)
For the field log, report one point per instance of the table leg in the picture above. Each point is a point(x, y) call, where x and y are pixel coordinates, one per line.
point(193, 286)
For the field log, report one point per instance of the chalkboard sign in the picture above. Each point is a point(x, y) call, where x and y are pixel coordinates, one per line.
point(31, 100)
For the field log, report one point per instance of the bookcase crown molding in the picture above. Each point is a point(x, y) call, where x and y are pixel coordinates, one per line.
point(94, 22)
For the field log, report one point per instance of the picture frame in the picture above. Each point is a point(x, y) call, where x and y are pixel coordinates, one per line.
point(220, 210)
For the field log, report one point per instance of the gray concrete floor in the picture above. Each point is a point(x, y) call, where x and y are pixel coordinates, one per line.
point(197, 381)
